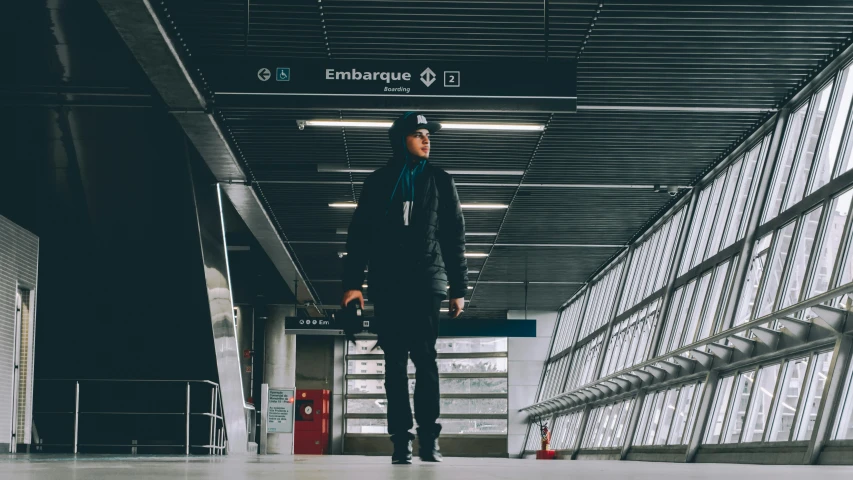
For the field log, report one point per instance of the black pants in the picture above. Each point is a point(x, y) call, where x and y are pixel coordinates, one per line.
point(410, 327)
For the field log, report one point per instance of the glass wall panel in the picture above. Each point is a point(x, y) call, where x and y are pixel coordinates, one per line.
point(803, 167)
point(775, 270)
point(786, 161)
point(709, 221)
point(811, 403)
point(762, 400)
point(695, 230)
point(790, 390)
point(629, 341)
point(721, 408)
point(682, 414)
point(844, 420)
point(682, 318)
point(740, 402)
point(753, 279)
point(712, 308)
point(665, 419)
point(695, 315)
point(800, 262)
point(739, 213)
point(606, 425)
point(584, 360)
point(665, 416)
point(831, 242)
point(643, 421)
point(834, 132)
point(650, 263)
point(602, 299)
point(655, 418)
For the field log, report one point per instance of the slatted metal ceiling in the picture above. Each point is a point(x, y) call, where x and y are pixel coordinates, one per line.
point(675, 55)
point(736, 54)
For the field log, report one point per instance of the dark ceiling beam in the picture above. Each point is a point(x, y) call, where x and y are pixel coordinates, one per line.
point(147, 38)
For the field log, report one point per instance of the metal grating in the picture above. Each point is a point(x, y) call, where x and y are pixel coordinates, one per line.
point(697, 53)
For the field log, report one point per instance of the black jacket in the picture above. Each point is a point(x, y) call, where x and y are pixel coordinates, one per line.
point(425, 256)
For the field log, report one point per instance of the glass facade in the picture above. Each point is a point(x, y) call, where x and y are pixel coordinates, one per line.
point(736, 270)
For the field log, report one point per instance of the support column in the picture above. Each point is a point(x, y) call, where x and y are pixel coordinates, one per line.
point(279, 368)
point(700, 423)
point(526, 358)
point(832, 391)
point(631, 428)
point(581, 432)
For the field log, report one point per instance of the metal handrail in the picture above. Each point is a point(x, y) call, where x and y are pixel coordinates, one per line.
point(722, 336)
point(216, 442)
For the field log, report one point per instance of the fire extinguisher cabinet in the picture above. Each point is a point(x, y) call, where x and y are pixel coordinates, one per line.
point(311, 425)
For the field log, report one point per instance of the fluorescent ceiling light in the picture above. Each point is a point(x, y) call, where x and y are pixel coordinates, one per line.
point(341, 231)
point(344, 123)
point(473, 272)
point(477, 234)
point(486, 172)
point(476, 254)
point(484, 206)
point(343, 168)
point(470, 288)
point(505, 127)
point(470, 206)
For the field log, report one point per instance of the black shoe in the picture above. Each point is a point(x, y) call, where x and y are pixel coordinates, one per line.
point(428, 444)
point(402, 449)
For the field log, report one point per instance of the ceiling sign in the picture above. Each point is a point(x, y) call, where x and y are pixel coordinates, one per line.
point(361, 84)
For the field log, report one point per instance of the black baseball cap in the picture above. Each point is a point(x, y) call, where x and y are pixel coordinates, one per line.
point(411, 121)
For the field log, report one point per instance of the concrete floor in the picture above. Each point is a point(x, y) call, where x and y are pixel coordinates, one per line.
point(378, 468)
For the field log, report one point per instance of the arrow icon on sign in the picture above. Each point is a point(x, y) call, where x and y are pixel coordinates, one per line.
point(264, 74)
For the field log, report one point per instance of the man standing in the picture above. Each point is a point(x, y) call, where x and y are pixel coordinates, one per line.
point(409, 231)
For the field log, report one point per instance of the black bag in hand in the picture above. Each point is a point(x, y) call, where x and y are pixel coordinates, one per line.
point(352, 321)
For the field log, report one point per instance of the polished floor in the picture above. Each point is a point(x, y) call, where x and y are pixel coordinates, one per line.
point(377, 468)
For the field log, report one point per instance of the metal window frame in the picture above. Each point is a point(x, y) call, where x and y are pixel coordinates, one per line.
point(786, 363)
point(789, 269)
point(803, 137)
point(725, 408)
point(792, 247)
point(844, 244)
point(693, 393)
point(752, 399)
point(848, 129)
point(832, 104)
point(777, 174)
point(807, 385)
point(728, 419)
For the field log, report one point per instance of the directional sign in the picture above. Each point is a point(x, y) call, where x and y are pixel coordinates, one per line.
point(318, 83)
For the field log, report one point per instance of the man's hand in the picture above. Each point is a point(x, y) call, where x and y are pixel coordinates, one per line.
point(351, 295)
point(456, 307)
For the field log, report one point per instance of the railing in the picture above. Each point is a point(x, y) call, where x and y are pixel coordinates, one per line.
point(735, 345)
point(216, 440)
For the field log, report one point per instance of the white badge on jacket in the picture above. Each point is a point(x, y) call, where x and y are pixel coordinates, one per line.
point(407, 212)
